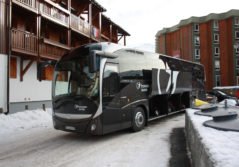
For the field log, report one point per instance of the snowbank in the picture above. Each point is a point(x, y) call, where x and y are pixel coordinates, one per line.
point(24, 121)
point(222, 146)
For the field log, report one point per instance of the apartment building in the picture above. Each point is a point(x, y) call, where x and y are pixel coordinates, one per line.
point(212, 40)
point(32, 31)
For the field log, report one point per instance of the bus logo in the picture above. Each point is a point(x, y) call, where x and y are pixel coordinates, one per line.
point(80, 108)
point(138, 85)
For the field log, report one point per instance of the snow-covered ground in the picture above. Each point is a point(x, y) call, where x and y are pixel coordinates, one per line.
point(23, 121)
point(223, 146)
point(28, 139)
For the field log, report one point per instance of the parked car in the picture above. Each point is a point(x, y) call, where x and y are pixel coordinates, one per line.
point(225, 92)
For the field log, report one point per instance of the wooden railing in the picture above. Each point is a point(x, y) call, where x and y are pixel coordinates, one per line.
point(54, 13)
point(50, 51)
point(29, 3)
point(80, 25)
point(23, 41)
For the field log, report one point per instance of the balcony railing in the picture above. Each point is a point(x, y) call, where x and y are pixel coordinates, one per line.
point(80, 25)
point(24, 42)
point(54, 13)
point(32, 4)
point(50, 51)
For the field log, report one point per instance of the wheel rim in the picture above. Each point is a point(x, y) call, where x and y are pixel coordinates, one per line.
point(139, 119)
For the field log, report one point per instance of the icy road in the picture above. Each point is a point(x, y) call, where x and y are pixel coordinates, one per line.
point(42, 146)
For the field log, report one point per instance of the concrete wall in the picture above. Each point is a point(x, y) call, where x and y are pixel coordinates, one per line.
point(199, 154)
point(3, 82)
point(30, 90)
point(33, 105)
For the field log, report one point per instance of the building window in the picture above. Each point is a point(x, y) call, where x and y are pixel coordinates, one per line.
point(216, 38)
point(237, 63)
point(216, 51)
point(48, 73)
point(237, 49)
point(197, 40)
point(217, 65)
point(236, 21)
point(215, 24)
point(237, 34)
point(197, 54)
point(13, 67)
point(196, 27)
point(218, 80)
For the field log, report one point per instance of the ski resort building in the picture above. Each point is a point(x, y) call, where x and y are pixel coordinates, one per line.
point(32, 31)
point(212, 40)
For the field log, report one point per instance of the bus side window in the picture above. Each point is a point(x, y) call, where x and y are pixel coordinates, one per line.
point(111, 80)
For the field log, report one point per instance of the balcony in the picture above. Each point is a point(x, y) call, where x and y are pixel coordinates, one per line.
point(52, 50)
point(28, 4)
point(79, 25)
point(24, 42)
point(59, 16)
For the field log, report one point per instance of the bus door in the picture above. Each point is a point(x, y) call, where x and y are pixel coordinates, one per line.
point(111, 98)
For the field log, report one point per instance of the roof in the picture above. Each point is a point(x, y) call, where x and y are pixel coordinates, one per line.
point(98, 5)
point(193, 19)
point(121, 30)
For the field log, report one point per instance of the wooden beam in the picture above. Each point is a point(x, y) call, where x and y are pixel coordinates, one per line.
point(111, 33)
point(120, 37)
point(69, 5)
point(24, 70)
point(124, 40)
point(69, 38)
point(90, 18)
point(100, 24)
point(82, 9)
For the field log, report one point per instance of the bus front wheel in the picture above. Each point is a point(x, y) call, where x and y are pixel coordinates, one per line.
point(138, 119)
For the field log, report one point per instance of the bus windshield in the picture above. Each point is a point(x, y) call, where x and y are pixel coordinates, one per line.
point(72, 77)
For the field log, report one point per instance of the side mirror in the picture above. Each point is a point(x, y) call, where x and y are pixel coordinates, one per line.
point(93, 63)
point(42, 65)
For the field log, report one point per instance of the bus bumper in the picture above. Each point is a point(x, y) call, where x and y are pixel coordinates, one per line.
point(92, 126)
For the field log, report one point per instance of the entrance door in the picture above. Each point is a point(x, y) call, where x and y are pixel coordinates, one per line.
point(111, 98)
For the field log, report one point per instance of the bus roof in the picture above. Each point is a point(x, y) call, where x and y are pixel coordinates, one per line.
point(226, 87)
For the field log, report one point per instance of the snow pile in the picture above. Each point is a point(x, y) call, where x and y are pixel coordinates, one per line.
point(25, 120)
point(223, 146)
point(230, 102)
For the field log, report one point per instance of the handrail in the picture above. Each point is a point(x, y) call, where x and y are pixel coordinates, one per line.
point(80, 25)
point(24, 41)
point(50, 51)
point(54, 13)
point(29, 3)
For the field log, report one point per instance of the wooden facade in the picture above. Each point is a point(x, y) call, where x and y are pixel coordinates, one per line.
point(212, 40)
point(46, 29)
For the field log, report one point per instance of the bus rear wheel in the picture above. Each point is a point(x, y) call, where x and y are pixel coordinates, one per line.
point(138, 119)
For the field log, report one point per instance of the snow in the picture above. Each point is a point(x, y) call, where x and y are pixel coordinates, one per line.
point(223, 146)
point(21, 121)
point(28, 139)
point(33, 133)
point(230, 102)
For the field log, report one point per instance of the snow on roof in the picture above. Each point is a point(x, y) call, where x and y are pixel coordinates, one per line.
point(223, 146)
point(24, 120)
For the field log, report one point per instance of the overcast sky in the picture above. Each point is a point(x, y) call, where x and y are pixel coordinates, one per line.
point(144, 18)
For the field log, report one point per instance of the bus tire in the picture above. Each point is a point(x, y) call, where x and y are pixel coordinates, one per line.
point(139, 119)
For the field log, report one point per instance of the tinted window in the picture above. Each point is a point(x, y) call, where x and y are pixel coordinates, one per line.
point(110, 80)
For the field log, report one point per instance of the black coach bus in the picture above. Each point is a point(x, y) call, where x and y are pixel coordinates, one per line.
point(103, 87)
